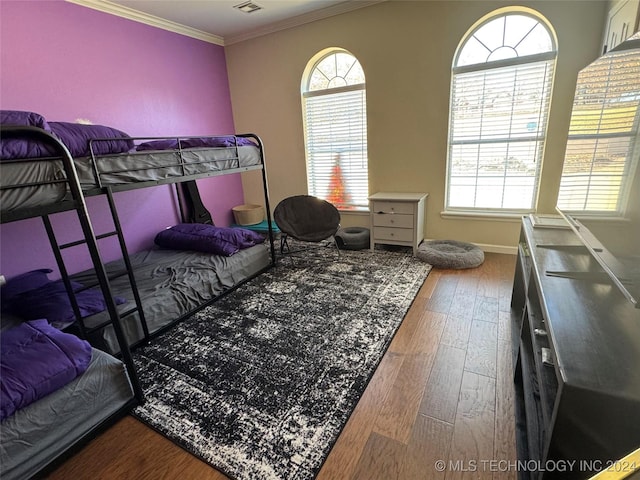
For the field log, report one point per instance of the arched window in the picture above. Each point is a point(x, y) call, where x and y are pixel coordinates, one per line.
point(500, 94)
point(335, 120)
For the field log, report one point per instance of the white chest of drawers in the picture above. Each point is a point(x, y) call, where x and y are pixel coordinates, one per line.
point(397, 218)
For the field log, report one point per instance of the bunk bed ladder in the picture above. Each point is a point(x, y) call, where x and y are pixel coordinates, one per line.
point(127, 262)
point(103, 280)
point(90, 239)
point(57, 252)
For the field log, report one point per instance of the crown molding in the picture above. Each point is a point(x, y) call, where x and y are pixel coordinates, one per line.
point(296, 21)
point(141, 17)
point(137, 16)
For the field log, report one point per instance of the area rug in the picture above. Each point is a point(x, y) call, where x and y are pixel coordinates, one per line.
point(260, 384)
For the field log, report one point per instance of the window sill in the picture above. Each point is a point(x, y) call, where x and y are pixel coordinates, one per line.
point(492, 216)
point(353, 211)
point(604, 218)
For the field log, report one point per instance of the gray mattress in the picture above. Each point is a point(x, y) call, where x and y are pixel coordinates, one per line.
point(171, 284)
point(152, 165)
point(37, 434)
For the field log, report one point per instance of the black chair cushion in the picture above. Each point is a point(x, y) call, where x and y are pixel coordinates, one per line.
point(307, 218)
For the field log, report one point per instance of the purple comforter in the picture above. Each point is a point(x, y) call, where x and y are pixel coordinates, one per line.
point(203, 142)
point(35, 360)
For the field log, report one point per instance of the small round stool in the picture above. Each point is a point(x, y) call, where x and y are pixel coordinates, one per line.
point(450, 254)
point(352, 238)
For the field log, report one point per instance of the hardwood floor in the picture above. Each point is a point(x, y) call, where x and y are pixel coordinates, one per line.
point(442, 392)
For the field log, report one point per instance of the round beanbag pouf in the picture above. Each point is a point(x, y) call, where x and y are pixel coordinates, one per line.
point(450, 254)
point(352, 238)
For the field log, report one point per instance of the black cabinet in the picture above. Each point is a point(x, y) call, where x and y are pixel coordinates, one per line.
point(577, 359)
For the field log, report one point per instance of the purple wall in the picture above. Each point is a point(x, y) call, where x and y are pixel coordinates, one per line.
point(68, 62)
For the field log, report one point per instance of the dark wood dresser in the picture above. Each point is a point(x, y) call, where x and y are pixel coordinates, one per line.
point(577, 359)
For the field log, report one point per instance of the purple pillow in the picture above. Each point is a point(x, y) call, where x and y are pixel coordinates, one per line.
point(76, 137)
point(23, 119)
point(23, 148)
point(207, 238)
point(36, 360)
point(51, 301)
point(23, 283)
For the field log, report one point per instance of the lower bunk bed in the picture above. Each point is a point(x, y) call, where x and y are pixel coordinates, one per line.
point(172, 284)
point(44, 431)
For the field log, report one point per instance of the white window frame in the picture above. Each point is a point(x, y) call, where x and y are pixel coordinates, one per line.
point(505, 179)
point(334, 143)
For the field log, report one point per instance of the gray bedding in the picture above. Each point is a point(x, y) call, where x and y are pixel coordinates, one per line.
point(35, 435)
point(124, 168)
point(171, 284)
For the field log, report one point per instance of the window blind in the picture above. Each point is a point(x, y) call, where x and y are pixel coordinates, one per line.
point(497, 130)
point(603, 146)
point(336, 140)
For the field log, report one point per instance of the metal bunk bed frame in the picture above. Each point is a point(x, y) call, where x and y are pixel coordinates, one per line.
point(200, 214)
point(77, 202)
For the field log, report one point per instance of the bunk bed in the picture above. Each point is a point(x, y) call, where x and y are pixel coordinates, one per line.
point(68, 394)
point(46, 176)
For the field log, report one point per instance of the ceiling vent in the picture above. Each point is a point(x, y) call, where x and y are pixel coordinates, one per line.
point(248, 7)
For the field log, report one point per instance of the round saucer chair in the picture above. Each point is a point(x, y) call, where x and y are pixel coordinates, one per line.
point(307, 219)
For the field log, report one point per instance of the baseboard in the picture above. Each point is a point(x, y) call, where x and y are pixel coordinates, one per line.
point(498, 249)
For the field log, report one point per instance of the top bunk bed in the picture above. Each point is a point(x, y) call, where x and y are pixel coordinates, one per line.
point(33, 176)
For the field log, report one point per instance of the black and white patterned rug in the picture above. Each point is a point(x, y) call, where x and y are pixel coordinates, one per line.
point(260, 384)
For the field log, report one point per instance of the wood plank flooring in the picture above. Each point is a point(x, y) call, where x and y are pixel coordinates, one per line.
point(442, 392)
